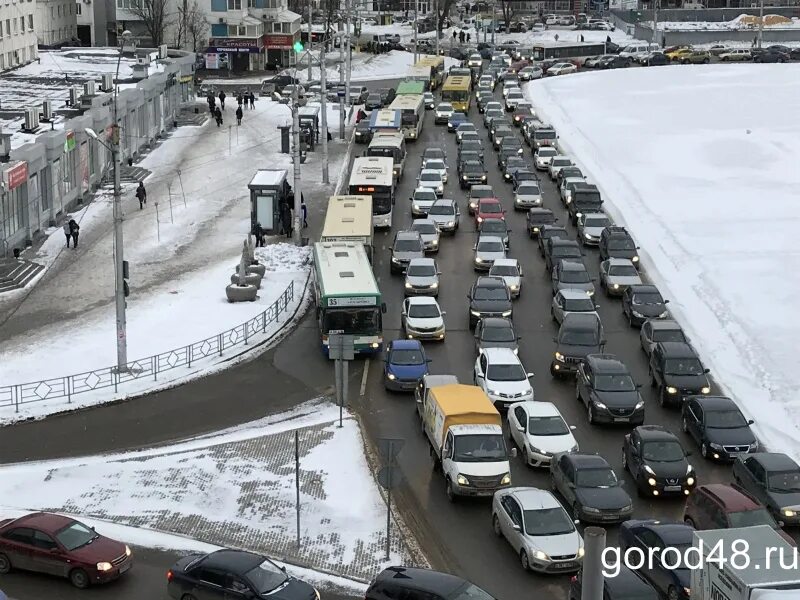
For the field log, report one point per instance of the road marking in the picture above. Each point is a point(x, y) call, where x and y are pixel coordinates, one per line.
point(364, 378)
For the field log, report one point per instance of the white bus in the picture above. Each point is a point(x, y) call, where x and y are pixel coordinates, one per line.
point(349, 219)
point(385, 120)
point(421, 72)
point(385, 143)
point(374, 176)
point(347, 297)
point(412, 114)
point(567, 51)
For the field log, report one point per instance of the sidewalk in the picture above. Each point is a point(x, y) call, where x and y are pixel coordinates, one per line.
point(236, 489)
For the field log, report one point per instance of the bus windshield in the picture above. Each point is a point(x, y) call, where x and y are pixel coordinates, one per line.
point(362, 321)
point(455, 95)
point(389, 152)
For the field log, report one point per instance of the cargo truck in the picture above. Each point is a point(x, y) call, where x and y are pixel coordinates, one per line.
point(466, 436)
point(755, 573)
point(426, 383)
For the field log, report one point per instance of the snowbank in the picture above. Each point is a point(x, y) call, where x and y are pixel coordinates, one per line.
point(741, 22)
point(706, 179)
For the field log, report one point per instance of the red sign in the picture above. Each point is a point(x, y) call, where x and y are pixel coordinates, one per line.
point(278, 41)
point(16, 175)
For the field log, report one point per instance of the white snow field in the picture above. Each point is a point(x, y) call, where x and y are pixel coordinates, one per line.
point(701, 164)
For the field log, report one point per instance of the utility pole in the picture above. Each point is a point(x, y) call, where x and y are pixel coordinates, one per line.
point(309, 39)
point(655, 21)
point(436, 16)
point(494, 18)
point(324, 107)
point(416, 28)
point(298, 192)
point(348, 55)
point(595, 543)
point(760, 22)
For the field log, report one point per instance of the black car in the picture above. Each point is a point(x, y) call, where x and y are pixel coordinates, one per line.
point(626, 585)
point(548, 231)
point(513, 163)
point(676, 370)
point(719, 428)
point(482, 99)
point(605, 386)
point(488, 297)
point(561, 249)
point(538, 218)
point(387, 95)
point(672, 581)
point(471, 172)
point(501, 132)
point(507, 152)
point(458, 53)
point(494, 332)
point(657, 59)
point(768, 55)
point(373, 102)
point(590, 487)
point(471, 146)
point(614, 61)
point(584, 199)
point(657, 462)
point(413, 583)
point(363, 132)
point(495, 227)
point(660, 330)
point(616, 242)
point(774, 479)
point(643, 302)
point(281, 81)
point(580, 335)
point(228, 574)
point(520, 176)
point(468, 155)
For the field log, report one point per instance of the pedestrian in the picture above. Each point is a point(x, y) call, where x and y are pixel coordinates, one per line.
point(222, 99)
point(360, 115)
point(555, 37)
point(74, 229)
point(218, 116)
point(304, 210)
point(286, 220)
point(239, 99)
point(582, 38)
point(755, 41)
point(608, 39)
point(141, 194)
point(259, 231)
point(454, 35)
point(239, 115)
point(252, 101)
point(330, 137)
point(67, 233)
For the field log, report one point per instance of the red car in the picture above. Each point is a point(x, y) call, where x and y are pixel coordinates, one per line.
point(489, 208)
point(56, 545)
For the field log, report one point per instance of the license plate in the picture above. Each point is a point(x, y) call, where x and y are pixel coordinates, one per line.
point(609, 517)
point(672, 488)
point(621, 419)
point(566, 565)
point(124, 567)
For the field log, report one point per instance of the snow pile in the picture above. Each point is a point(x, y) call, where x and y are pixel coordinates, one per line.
point(283, 257)
point(741, 22)
point(706, 180)
point(371, 67)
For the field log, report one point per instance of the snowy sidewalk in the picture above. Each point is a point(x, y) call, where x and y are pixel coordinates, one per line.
point(235, 489)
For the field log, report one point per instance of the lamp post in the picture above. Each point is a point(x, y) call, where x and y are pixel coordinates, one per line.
point(760, 23)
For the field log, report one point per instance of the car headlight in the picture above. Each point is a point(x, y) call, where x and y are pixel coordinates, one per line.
point(493, 392)
point(395, 260)
point(513, 288)
point(506, 480)
point(575, 448)
point(104, 566)
point(480, 219)
point(590, 292)
point(128, 551)
point(715, 446)
point(616, 286)
point(589, 509)
point(519, 151)
point(649, 470)
point(483, 177)
point(408, 286)
point(569, 199)
point(462, 480)
point(672, 390)
point(451, 223)
point(687, 591)
point(539, 555)
point(581, 552)
point(754, 445)
point(559, 357)
point(626, 508)
point(639, 404)
point(473, 205)
point(434, 285)
point(507, 176)
point(464, 178)
point(690, 481)
point(600, 405)
point(534, 449)
point(579, 215)
point(478, 259)
point(506, 313)
point(416, 206)
point(516, 351)
point(587, 236)
point(439, 188)
point(475, 313)
point(788, 512)
point(706, 390)
point(652, 482)
point(664, 315)
point(391, 377)
point(635, 259)
point(637, 314)
point(535, 230)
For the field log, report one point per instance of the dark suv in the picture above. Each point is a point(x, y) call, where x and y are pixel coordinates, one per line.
point(584, 199)
point(536, 218)
point(656, 460)
point(559, 249)
point(605, 386)
point(408, 583)
point(616, 242)
point(676, 370)
point(488, 297)
point(580, 334)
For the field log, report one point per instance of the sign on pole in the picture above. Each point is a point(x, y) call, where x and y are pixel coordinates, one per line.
point(389, 448)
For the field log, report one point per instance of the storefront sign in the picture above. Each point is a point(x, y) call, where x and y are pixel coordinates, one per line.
point(278, 41)
point(212, 60)
point(186, 79)
point(250, 45)
point(16, 175)
point(69, 143)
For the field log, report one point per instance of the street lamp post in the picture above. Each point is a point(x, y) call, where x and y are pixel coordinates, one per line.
point(760, 23)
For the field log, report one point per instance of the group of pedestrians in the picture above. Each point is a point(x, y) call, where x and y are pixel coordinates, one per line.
point(71, 232)
point(462, 36)
point(245, 100)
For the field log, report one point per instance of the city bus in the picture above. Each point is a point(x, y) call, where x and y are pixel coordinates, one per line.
point(349, 219)
point(457, 91)
point(412, 114)
point(374, 176)
point(347, 297)
point(567, 51)
point(393, 144)
point(421, 72)
point(385, 120)
point(437, 69)
point(415, 88)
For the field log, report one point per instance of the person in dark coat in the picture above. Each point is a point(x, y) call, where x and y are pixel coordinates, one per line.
point(360, 115)
point(286, 219)
point(608, 39)
point(252, 100)
point(212, 102)
point(469, 36)
point(582, 38)
point(239, 115)
point(461, 37)
point(218, 116)
point(222, 99)
point(74, 229)
point(67, 233)
point(259, 231)
point(239, 99)
point(141, 194)
point(304, 210)
point(330, 137)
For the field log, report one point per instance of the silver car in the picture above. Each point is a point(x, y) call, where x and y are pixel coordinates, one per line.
point(509, 270)
point(438, 165)
point(429, 232)
point(556, 164)
point(528, 195)
point(569, 301)
point(443, 113)
point(422, 278)
point(421, 201)
point(572, 275)
point(616, 274)
point(538, 528)
point(591, 226)
point(446, 214)
point(543, 157)
point(488, 249)
point(431, 179)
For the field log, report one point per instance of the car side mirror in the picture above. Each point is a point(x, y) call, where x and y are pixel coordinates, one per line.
point(444, 312)
point(529, 374)
point(689, 453)
point(513, 453)
point(750, 422)
point(573, 427)
point(666, 301)
point(428, 360)
point(706, 371)
point(515, 527)
point(638, 386)
point(521, 428)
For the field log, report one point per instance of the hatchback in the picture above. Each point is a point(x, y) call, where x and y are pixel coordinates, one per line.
point(540, 432)
point(422, 278)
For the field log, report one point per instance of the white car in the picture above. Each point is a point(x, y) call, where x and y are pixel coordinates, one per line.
point(514, 99)
point(508, 86)
point(539, 431)
point(551, 20)
point(444, 111)
point(591, 226)
point(428, 178)
point(422, 278)
point(422, 318)
point(465, 128)
point(487, 81)
point(499, 372)
point(562, 68)
point(617, 274)
point(571, 301)
point(543, 157)
point(527, 195)
point(421, 201)
point(538, 528)
point(493, 106)
point(508, 270)
point(557, 163)
point(488, 249)
point(474, 60)
point(429, 231)
point(564, 188)
point(438, 165)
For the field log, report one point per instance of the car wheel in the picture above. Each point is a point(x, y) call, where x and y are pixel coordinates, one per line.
point(5, 565)
point(448, 489)
point(79, 578)
point(590, 414)
point(704, 450)
point(523, 559)
point(553, 373)
point(706, 61)
point(689, 523)
point(723, 59)
point(496, 526)
point(672, 594)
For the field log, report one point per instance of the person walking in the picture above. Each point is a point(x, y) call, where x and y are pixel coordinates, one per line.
point(259, 235)
point(582, 38)
point(252, 101)
point(222, 99)
point(239, 99)
point(141, 194)
point(239, 115)
point(74, 229)
point(286, 220)
point(218, 116)
point(67, 233)
point(304, 210)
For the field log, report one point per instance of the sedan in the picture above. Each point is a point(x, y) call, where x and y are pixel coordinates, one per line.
point(605, 386)
point(537, 218)
point(363, 133)
point(590, 487)
point(657, 462)
point(562, 68)
point(499, 373)
point(572, 275)
point(488, 208)
point(545, 232)
point(429, 101)
point(510, 271)
point(488, 249)
point(432, 152)
point(529, 73)
point(617, 274)
point(774, 479)
point(421, 317)
point(234, 574)
point(513, 99)
point(590, 227)
point(488, 297)
point(443, 113)
point(569, 301)
point(543, 156)
point(718, 426)
point(464, 128)
point(643, 302)
point(429, 231)
point(540, 432)
point(446, 215)
point(52, 544)
point(456, 119)
point(527, 195)
point(422, 278)
point(421, 201)
point(660, 330)
point(594, 61)
point(496, 332)
point(432, 180)
point(538, 529)
point(438, 165)
point(496, 227)
point(405, 365)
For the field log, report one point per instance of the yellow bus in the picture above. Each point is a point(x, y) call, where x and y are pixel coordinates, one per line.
point(436, 63)
point(457, 90)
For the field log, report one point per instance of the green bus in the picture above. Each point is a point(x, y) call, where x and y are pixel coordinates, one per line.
point(413, 88)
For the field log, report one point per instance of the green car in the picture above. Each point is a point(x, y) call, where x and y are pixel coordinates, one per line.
point(696, 57)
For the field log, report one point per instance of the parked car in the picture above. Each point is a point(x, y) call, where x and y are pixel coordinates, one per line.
point(562, 68)
point(410, 582)
point(627, 585)
point(736, 55)
point(696, 57)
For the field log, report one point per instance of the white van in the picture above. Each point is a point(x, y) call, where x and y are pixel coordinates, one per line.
point(632, 50)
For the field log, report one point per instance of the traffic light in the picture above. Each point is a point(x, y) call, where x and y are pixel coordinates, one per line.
point(125, 276)
point(298, 46)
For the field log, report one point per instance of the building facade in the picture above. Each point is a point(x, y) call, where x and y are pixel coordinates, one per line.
point(56, 22)
point(92, 21)
point(18, 44)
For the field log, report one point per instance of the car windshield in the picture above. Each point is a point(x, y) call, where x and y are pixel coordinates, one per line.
point(683, 366)
point(668, 335)
point(481, 193)
point(492, 208)
point(433, 153)
point(528, 190)
point(498, 334)
point(426, 194)
point(407, 246)
point(266, 577)
point(491, 246)
point(479, 448)
point(436, 165)
point(513, 372)
point(424, 311)
point(406, 357)
point(566, 252)
point(473, 167)
point(552, 425)
point(514, 93)
point(725, 419)
point(432, 177)
point(579, 305)
point(444, 107)
point(623, 271)
point(560, 162)
point(441, 209)
point(75, 535)
point(621, 244)
point(641, 298)
point(579, 338)
point(545, 135)
point(458, 117)
point(615, 382)
point(663, 451)
point(466, 128)
point(568, 172)
point(421, 271)
point(751, 518)
point(491, 293)
point(547, 521)
point(592, 221)
point(573, 276)
point(504, 271)
point(425, 228)
point(595, 478)
point(374, 98)
point(784, 481)
point(545, 152)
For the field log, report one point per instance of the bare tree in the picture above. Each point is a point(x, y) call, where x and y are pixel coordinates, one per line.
point(196, 25)
point(154, 17)
point(507, 8)
point(442, 8)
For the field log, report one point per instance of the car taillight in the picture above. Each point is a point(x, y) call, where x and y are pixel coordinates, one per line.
point(169, 575)
point(574, 578)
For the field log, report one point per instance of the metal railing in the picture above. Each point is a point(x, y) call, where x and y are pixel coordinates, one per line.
point(106, 377)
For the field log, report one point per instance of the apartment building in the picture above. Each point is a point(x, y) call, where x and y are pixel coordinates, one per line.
point(56, 22)
point(17, 33)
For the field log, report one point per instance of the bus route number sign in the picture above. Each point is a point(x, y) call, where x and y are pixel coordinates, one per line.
point(352, 301)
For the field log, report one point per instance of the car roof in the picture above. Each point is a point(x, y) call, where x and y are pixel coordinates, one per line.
point(734, 499)
point(422, 261)
point(445, 202)
point(774, 461)
point(425, 221)
point(678, 350)
point(532, 498)
point(607, 363)
point(423, 171)
point(443, 584)
point(403, 344)
point(407, 234)
point(654, 433)
point(491, 238)
point(540, 211)
point(572, 294)
point(571, 265)
point(504, 356)
point(423, 190)
point(506, 262)
point(644, 288)
point(44, 521)
point(237, 562)
point(716, 402)
point(671, 532)
point(422, 300)
point(540, 408)
point(580, 321)
point(496, 323)
point(588, 461)
point(490, 281)
point(489, 200)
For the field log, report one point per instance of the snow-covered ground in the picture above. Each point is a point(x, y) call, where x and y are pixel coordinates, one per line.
point(370, 67)
point(742, 22)
point(706, 179)
point(234, 488)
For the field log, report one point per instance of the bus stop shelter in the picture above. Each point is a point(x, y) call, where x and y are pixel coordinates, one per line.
point(269, 188)
point(309, 124)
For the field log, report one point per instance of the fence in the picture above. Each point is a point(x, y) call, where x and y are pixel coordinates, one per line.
point(71, 385)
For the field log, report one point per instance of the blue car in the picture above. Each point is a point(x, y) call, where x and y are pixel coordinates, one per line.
point(405, 365)
point(455, 120)
point(644, 534)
